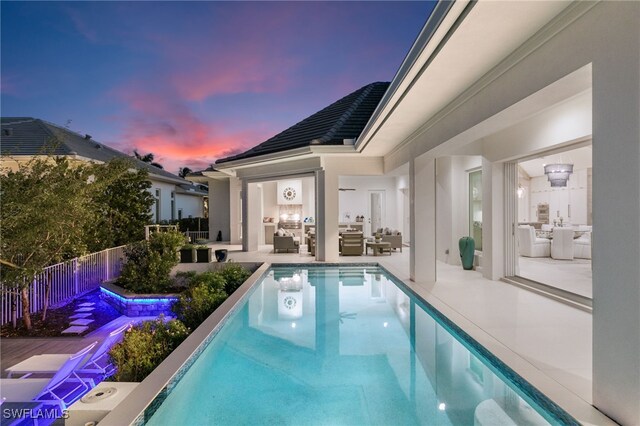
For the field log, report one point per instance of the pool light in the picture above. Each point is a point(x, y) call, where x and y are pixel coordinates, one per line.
point(442, 406)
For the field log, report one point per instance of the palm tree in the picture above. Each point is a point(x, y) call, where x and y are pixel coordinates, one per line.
point(147, 159)
point(184, 171)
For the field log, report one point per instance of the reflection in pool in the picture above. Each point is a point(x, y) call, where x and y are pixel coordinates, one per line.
point(341, 345)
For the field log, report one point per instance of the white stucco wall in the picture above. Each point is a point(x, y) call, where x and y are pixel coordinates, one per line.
point(235, 212)
point(165, 200)
point(357, 202)
point(219, 209)
point(191, 205)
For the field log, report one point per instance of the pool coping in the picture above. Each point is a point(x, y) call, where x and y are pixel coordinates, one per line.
point(159, 383)
point(153, 390)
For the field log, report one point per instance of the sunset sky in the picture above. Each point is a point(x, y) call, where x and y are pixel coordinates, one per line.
point(194, 81)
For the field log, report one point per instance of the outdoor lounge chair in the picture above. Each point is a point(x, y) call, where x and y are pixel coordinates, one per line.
point(99, 365)
point(63, 389)
point(45, 364)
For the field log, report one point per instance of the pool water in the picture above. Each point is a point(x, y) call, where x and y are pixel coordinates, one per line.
point(345, 346)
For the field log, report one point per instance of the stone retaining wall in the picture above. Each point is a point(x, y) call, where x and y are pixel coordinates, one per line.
point(137, 305)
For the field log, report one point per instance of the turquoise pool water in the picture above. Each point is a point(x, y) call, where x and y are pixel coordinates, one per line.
point(346, 346)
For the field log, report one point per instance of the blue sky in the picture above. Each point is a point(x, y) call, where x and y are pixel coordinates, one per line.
point(194, 81)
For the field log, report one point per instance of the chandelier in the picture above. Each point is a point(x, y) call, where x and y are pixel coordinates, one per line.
point(558, 174)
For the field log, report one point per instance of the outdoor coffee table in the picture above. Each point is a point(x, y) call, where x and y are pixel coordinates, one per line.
point(378, 248)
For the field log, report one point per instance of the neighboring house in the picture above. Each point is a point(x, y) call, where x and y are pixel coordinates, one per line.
point(485, 85)
point(24, 138)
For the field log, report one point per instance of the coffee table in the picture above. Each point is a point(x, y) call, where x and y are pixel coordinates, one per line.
point(378, 248)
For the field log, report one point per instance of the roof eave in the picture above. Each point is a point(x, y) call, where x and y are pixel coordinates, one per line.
point(277, 157)
point(266, 158)
point(425, 45)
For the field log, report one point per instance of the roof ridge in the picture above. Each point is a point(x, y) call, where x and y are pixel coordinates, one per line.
point(22, 120)
point(345, 116)
point(55, 139)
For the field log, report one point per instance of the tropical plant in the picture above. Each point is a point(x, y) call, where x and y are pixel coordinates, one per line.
point(144, 347)
point(204, 295)
point(46, 209)
point(122, 202)
point(148, 264)
point(148, 158)
point(234, 276)
point(184, 171)
point(167, 242)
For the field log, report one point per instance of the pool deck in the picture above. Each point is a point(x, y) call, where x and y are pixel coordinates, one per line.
point(545, 341)
point(15, 350)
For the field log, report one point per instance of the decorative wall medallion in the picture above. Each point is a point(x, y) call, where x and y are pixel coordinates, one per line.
point(289, 193)
point(289, 302)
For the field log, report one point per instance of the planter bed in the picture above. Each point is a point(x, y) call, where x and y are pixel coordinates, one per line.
point(137, 305)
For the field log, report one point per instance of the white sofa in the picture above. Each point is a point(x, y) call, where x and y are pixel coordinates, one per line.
point(582, 244)
point(530, 245)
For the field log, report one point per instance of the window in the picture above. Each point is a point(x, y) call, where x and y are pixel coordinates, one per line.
point(475, 207)
point(179, 214)
point(173, 205)
point(157, 203)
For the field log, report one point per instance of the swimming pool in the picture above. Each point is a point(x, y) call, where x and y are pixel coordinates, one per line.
point(346, 345)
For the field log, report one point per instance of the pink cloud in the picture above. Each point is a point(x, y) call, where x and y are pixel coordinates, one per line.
point(176, 135)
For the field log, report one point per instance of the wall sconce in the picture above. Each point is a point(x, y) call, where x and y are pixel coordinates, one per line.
point(520, 191)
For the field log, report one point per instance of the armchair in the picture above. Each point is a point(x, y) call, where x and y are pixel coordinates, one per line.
point(286, 242)
point(352, 244)
point(530, 245)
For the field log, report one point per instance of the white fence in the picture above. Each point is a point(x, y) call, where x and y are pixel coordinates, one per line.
point(68, 280)
point(197, 235)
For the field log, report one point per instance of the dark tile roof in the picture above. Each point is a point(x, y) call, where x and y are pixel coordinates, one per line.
point(32, 136)
point(344, 119)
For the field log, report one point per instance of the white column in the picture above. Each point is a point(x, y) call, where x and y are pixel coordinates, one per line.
point(327, 216)
point(616, 225)
point(251, 219)
point(492, 220)
point(422, 259)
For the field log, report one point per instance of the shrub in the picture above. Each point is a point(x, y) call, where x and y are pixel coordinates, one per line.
point(204, 295)
point(144, 347)
point(148, 263)
point(234, 276)
point(145, 270)
point(167, 243)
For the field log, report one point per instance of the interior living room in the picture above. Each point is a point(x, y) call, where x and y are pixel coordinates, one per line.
point(373, 214)
point(555, 221)
point(377, 207)
point(288, 211)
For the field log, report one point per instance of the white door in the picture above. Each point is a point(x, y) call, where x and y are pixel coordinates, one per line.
point(376, 209)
